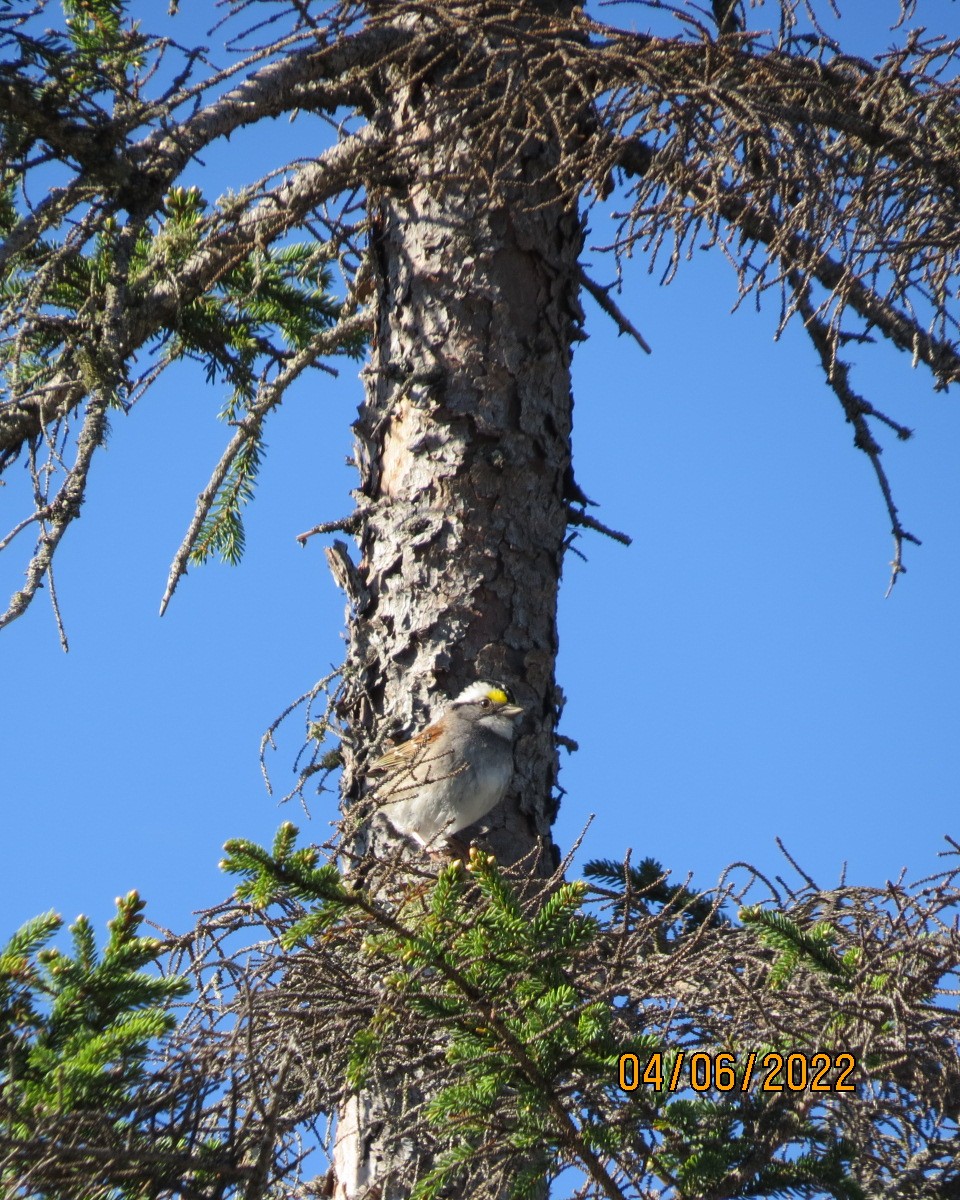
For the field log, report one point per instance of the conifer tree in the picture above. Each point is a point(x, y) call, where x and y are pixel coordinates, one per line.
point(443, 225)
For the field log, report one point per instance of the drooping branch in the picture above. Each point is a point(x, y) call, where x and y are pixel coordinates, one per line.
point(105, 367)
point(826, 339)
point(249, 429)
point(56, 515)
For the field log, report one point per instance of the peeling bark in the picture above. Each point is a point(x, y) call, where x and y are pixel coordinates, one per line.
point(463, 450)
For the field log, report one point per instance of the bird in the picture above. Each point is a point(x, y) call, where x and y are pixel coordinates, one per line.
point(454, 771)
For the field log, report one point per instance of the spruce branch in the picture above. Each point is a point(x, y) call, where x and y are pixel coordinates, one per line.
point(270, 395)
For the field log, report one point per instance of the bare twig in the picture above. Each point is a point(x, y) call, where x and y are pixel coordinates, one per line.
point(623, 323)
point(576, 516)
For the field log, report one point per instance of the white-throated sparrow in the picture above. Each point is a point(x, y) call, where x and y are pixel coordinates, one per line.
point(454, 771)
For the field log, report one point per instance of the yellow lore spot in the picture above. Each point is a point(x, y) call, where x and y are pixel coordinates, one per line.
point(498, 696)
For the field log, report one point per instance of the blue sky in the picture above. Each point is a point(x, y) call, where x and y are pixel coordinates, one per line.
point(734, 676)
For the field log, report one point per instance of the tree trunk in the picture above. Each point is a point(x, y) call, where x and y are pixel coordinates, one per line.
point(463, 449)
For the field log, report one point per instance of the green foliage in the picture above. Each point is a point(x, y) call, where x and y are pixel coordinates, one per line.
point(270, 305)
point(501, 981)
point(710, 1145)
point(223, 531)
point(288, 873)
point(643, 890)
point(284, 291)
point(508, 987)
point(102, 44)
point(467, 954)
point(111, 279)
point(76, 1029)
point(98, 51)
point(500, 1006)
point(812, 947)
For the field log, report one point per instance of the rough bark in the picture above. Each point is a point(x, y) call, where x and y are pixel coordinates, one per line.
point(463, 450)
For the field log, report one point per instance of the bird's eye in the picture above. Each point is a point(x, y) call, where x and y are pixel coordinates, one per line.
point(484, 703)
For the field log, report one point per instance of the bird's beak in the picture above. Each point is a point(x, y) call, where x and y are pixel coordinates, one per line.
point(511, 710)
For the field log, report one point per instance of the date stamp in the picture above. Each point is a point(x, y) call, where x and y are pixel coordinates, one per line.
point(771, 1072)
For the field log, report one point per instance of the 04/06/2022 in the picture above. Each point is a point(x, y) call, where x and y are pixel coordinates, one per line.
point(771, 1072)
